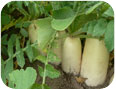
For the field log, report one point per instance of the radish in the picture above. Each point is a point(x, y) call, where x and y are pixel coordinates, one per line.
point(71, 55)
point(95, 61)
point(58, 50)
point(33, 35)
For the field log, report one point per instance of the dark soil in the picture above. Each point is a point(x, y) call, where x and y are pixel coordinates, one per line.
point(68, 81)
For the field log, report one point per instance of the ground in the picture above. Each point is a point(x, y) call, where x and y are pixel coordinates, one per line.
point(68, 81)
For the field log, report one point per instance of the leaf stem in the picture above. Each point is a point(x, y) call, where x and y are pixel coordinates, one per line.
point(49, 48)
point(19, 52)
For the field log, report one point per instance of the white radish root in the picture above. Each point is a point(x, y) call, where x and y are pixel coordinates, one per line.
point(58, 50)
point(95, 61)
point(71, 55)
point(33, 35)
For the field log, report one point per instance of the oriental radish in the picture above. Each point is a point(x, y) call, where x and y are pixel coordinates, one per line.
point(33, 33)
point(71, 55)
point(58, 50)
point(95, 61)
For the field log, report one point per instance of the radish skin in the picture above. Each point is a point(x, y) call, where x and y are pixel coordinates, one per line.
point(71, 55)
point(58, 50)
point(33, 35)
point(95, 61)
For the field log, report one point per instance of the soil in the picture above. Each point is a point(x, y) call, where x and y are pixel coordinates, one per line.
point(68, 81)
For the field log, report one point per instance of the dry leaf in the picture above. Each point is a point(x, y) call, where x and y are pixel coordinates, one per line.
point(80, 79)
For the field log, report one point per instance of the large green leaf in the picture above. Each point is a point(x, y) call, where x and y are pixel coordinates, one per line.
point(63, 13)
point(81, 20)
point(100, 27)
point(23, 79)
point(109, 12)
point(52, 72)
point(45, 31)
point(62, 24)
point(109, 36)
point(91, 9)
point(91, 27)
point(20, 54)
point(29, 51)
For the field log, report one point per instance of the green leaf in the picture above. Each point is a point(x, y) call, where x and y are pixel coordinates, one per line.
point(3, 71)
point(41, 71)
point(41, 58)
point(8, 68)
point(18, 25)
point(11, 43)
point(45, 31)
point(5, 19)
point(100, 27)
point(91, 27)
point(85, 28)
point(4, 39)
point(39, 86)
point(33, 9)
point(4, 50)
point(35, 51)
point(29, 51)
point(52, 57)
point(24, 32)
point(81, 20)
point(109, 12)
point(11, 84)
point(91, 9)
point(26, 24)
point(52, 72)
point(62, 24)
point(20, 55)
point(63, 13)
point(19, 7)
point(23, 79)
point(109, 36)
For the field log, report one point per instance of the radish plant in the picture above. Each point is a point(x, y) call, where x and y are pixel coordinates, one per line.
point(29, 32)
